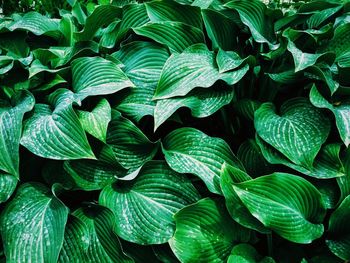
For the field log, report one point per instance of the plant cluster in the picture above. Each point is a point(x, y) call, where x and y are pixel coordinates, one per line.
point(175, 131)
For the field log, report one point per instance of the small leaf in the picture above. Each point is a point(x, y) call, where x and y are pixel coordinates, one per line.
point(205, 232)
point(285, 203)
point(298, 132)
point(341, 113)
point(188, 150)
point(32, 225)
point(144, 207)
point(96, 121)
point(245, 253)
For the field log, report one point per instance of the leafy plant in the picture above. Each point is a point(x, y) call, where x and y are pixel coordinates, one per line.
point(175, 131)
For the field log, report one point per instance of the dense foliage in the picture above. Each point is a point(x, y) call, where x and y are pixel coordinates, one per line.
point(175, 131)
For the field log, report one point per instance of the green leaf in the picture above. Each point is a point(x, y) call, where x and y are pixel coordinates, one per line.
point(218, 27)
point(188, 150)
point(56, 134)
point(32, 225)
point(76, 241)
point(37, 24)
point(201, 102)
point(11, 116)
point(8, 185)
point(229, 176)
point(131, 147)
point(104, 245)
point(205, 232)
point(229, 60)
point(195, 67)
point(97, 76)
point(102, 15)
point(285, 203)
point(304, 60)
point(252, 159)
point(172, 11)
point(338, 239)
point(340, 41)
point(144, 207)
point(176, 35)
point(298, 132)
point(253, 15)
point(245, 253)
point(96, 121)
point(341, 112)
point(326, 165)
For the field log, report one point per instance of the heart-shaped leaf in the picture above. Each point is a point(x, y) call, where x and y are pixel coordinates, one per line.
point(298, 132)
point(32, 225)
point(144, 207)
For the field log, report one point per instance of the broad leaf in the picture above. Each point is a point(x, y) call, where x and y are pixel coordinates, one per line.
point(131, 147)
point(8, 185)
point(188, 150)
point(144, 207)
point(298, 132)
point(32, 225)
point(195, 67)
point(338, 239)
point(56, 134)
point(97, 76)
point(201, 102)
point(176, 35)
point(285, 203)
point(103, 244)
point(245, 253)
point(205, 232)
point(11, 116)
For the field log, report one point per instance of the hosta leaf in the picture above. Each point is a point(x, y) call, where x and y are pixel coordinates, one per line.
point(97, 76)
point(32, 225)
point(76, 241)
point(341, 113)
point(285, 203)
point(304, 60)
point(205, 232)
point(96, 121)
point(104, 245)
point(6, 64)
point(172, 11)
point(102, 15)
point(324, 74)
point(188, 150)
point(144, 207)
point(326, 165)
point(8, 185)
point(245, 253)
point(338, 239)
point(340, 41)
point(195, 67)
point(246, 108)
point(176, 35)
point(252, 159)
point(235, 207)
point(229, 60)
point(253, 15)
point(202, 103)
point(37, 24)
point(218, 27)
point(131, 147)
point(11, 117)
point(93, 174)
point(298, 132)
point(56, 134)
